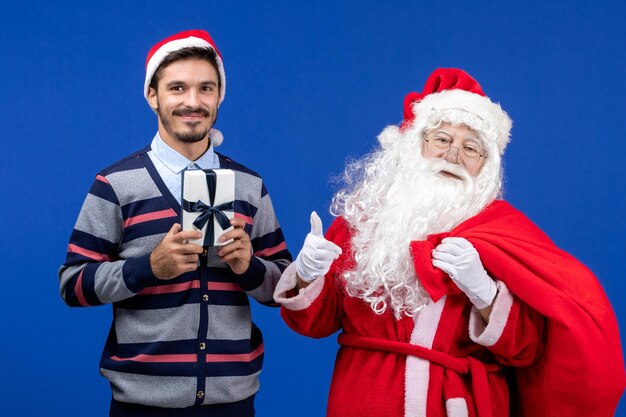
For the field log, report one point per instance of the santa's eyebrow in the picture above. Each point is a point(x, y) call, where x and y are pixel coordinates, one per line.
point(472, 139)
point(442, 131)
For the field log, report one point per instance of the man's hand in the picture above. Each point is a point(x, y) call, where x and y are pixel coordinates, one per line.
point(458, 258)
point(317, 253)
point(173, 256)
point(238, 253)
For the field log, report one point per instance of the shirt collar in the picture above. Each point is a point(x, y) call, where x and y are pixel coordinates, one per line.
point(175, 162)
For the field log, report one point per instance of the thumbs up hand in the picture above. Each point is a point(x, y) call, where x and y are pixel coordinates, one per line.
point(317, 253)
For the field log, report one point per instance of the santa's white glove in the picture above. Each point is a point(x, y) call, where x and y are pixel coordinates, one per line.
point(458, 258)
point(317, 253)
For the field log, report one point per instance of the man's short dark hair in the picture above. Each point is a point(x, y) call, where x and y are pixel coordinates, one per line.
point(193, 52)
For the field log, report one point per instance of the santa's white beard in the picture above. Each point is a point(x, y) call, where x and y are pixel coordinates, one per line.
point(402, 197)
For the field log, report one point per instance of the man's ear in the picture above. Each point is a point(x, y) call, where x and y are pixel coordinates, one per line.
point(152, 98)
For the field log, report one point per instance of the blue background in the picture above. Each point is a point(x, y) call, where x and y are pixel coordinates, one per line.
point(308, 86)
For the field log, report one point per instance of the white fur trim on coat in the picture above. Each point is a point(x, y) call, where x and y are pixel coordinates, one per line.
point(305, 296)
point(456, 407)
point(488, 334)
point(417, 374)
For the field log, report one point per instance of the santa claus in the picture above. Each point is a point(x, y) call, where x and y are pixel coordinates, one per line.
point(450, 302)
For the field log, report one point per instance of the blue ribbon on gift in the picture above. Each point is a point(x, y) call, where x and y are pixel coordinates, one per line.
point(208, 212)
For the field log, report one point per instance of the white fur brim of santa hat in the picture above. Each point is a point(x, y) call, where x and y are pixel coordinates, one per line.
point(451, 95)
point(186, 39)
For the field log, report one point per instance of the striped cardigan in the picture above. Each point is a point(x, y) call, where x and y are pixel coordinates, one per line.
point(182, 342)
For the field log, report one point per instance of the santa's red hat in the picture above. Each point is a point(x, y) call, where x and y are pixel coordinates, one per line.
point(185, 39)
point(452, 95)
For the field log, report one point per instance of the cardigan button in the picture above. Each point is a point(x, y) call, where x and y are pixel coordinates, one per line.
point(205, 298)
point(200, 394)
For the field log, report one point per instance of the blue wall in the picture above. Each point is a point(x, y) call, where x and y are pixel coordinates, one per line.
point(308, 86)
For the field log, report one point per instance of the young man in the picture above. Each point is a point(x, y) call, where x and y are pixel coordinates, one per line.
point(182, 342)
point(441, 291)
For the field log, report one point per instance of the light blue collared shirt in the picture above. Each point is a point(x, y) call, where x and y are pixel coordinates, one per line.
point(170, 164)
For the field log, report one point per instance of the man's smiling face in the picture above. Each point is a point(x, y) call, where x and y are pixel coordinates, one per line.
point(186, 100)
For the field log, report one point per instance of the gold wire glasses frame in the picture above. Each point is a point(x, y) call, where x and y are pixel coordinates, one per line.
point(467, 154)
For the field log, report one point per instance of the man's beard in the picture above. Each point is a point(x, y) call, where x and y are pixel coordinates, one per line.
point(400, 198)
point(186, 137)
point(191, 137)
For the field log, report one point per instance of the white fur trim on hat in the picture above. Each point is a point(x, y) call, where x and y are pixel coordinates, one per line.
point(495, 124)
point(174, 46)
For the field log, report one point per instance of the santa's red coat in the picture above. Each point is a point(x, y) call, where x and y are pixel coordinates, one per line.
point(444, 362)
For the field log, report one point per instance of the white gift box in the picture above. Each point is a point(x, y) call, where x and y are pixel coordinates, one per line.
point(207, 203)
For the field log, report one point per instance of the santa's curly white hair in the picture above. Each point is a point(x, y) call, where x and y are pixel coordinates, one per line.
point(394, 195)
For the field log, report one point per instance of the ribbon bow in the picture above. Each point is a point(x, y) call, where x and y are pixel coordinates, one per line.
point(208, 212)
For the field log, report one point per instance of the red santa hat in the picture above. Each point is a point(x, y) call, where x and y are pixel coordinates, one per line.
point(185, 39)
point(453, 96)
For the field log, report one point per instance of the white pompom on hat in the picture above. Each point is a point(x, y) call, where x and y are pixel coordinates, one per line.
point(185, 39)
point(450, 92)
point(216, 137)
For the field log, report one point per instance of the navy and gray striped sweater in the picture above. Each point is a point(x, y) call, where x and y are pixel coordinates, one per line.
point(181, 342)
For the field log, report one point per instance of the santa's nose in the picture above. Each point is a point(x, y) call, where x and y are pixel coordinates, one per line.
point(452, 155)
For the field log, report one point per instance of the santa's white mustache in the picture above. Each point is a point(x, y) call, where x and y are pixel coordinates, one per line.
point(441, 165)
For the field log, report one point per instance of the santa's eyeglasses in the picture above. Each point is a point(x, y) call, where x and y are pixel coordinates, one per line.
point(468, 154)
